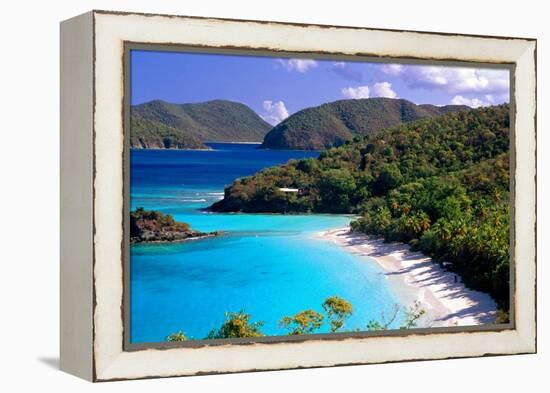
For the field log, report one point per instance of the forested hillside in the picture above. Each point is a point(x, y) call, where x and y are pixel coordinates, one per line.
point(440, 184)
point(147, 134)
point(218, 120)
point(334, 123)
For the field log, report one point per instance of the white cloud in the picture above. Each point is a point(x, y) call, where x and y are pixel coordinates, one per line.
point(339, 64)
point(383, 89)
point(380, 89)
point(274, 112)
point(429, 76)
point(453, 80)
point(356, 92)
point(458, 80)
point(300, 65)
point(471, 102)
point(393, 69)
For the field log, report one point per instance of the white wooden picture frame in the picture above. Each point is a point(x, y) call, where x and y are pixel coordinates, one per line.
point(93, 181)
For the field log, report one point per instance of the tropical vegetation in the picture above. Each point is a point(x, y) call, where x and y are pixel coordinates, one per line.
point(155, 226)
point(337, 310)
point(237, 324)
point(217, 120)
point(148, 134)
point(440, 184)
point(334, 123)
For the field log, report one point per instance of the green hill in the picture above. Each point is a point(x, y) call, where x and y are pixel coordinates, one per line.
point(146, 134)
point(332, 124)
point(440, 184)
point(218, 120)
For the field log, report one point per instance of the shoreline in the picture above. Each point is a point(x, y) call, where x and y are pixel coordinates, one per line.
point(187, 239)
point(414, 277)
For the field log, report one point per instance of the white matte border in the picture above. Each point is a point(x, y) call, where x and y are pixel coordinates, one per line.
point(112, 30)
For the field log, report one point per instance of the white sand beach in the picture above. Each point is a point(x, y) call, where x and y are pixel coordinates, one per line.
point(413, 276)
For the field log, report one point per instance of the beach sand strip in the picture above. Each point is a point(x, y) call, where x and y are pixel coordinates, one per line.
point(415, 277)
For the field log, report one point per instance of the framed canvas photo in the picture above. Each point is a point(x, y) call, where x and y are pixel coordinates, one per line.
point(246, 195)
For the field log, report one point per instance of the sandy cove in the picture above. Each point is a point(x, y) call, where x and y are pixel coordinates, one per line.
point(413, 276)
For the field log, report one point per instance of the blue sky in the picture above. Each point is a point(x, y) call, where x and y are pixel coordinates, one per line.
point(278, 87)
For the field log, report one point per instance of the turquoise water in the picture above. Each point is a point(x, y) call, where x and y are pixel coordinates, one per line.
point(268, 265)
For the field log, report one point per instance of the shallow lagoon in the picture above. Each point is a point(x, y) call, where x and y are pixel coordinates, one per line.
point(269, 265)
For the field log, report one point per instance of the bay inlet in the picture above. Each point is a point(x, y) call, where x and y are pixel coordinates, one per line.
point(269, 265)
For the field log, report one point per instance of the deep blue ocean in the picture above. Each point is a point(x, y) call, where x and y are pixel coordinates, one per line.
point(268, 265)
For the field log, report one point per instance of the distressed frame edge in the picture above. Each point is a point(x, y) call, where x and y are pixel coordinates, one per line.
point(530, 341)
point(304, 24)
point(526, 316)
point(76, 196)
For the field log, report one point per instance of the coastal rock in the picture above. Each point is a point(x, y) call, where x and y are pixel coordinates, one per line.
point(149, 226)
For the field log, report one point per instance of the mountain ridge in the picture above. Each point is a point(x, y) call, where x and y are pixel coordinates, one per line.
point(215, 120)
point(440, 184)
point(331, 124)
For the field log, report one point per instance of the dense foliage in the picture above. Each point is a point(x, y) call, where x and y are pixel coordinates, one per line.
point(337, 309)
point(141, 219)
point(334, 123)
point(237, 324)
point(218, 120)
point(304, 322)
point(147, 134)
point(440, 184)
point(178, 336)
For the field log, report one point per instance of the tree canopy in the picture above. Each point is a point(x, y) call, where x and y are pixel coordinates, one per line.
point(338, 310)
point(237, 324)
point(439, 184)
point(304, 322)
